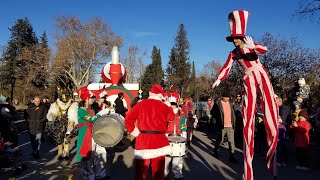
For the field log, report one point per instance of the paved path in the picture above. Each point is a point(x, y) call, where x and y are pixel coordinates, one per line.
point(199, 164)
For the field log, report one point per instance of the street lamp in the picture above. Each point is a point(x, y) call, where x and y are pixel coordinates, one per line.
point(12, 82)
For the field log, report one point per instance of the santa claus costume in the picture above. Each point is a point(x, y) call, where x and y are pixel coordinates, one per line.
point(151, 117)
point(177, 127)
point(256, 77)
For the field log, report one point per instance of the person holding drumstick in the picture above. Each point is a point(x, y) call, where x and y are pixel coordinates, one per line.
point(177, 136)
point(92, 169)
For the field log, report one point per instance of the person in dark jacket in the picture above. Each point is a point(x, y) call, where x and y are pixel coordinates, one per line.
point(120, 109)
point(225, 121)
point(36, 117)
point(284, 112)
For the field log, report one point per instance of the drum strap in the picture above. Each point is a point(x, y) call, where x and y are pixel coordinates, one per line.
point(151, 132)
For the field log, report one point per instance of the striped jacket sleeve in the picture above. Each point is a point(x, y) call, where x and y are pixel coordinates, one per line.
point(223, 73)
point(260, 49)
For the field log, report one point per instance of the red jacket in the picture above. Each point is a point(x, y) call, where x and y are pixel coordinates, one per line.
point(301, 132)
point(150, 115)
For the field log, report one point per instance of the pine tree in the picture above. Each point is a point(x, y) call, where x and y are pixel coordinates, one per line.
point(44, 40)
point(153, 73)
point(22, 35)
point(193, 84)
point(178, 69)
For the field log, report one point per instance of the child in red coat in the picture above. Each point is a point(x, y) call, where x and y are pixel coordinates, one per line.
point(301, 130)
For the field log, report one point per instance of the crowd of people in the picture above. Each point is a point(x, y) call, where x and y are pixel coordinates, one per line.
point(161, 126)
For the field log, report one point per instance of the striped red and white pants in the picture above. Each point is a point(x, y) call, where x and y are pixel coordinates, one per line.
point(254, 79)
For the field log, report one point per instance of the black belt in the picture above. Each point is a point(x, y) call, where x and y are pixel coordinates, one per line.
point(151, 132)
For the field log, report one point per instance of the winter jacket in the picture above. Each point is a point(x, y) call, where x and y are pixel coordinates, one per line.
point(301, 132)
point(36, 118)
point(218, 115)
point(120, 109)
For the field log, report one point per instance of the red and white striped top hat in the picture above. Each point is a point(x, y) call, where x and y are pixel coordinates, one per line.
point(238, 24)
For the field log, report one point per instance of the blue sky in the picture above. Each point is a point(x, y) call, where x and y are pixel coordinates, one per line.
point(155, 22)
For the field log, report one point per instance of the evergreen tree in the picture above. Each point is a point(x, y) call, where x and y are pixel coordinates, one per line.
point(153, 73)
point(178, 69)
point(44, 40)
point(22, 35)
point(193, 84)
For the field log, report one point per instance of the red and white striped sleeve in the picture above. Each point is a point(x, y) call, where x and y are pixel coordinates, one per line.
point(260, 49)
point(223, 73)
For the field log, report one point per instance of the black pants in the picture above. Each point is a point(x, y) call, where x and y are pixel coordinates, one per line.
point(282, 152)
point(35, 142)
point(302, 156)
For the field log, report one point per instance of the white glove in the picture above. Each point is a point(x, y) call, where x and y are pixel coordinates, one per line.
point(216, 83)
point(175, 110)
point(249, 42)
point(195, 125)
point(103, 112)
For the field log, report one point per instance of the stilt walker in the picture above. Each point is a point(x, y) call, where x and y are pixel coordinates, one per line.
point(255, 77)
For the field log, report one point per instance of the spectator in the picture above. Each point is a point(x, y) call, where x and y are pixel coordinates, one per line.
point(36, 117)
point(284, 112)
point(238, 129)
point(207, 108)
point(120, 109)
point(281, 147)
point(7, 127)
point(225, 121)
point(192, 122)
point(46, 102)
point(301, 130)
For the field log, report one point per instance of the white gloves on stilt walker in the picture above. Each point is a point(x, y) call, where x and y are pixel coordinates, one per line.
point(216, 83)
point(249, 42)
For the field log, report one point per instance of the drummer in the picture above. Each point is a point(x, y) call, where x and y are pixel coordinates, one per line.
point(91, 166)
point(176, 128)
point(100, 104)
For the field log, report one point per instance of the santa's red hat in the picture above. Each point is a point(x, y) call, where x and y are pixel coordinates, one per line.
point(84, 93)
point(238, 24)
point(157, 90)
point(101, 93)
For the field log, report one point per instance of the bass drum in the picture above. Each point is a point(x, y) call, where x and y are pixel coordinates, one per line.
point(108, 130)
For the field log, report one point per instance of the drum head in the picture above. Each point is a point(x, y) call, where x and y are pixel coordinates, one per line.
point(108, 130)
point(178, 139)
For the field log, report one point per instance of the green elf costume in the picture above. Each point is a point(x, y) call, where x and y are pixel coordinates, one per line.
point(87, 150)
